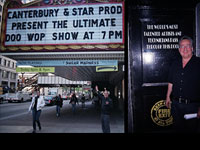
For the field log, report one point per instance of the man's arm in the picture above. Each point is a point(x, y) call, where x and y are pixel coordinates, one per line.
point(42, 101)
point(169, 91)
point(98, 92)
point(33, 99)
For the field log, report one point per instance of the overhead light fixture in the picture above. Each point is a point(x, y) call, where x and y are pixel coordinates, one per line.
point(148, 57)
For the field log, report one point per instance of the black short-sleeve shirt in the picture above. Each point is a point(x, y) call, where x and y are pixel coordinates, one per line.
point(35, 104)
point(186, 81)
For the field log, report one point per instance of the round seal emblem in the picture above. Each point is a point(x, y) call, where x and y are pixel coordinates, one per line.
point(161, 115)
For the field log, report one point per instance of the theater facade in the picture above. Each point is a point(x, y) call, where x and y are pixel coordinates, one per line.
point(82, 39)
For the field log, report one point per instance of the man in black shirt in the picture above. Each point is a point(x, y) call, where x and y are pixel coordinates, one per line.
point(106, 106)
point(184, 87)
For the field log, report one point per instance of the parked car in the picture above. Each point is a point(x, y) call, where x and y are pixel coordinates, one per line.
point(3, 97)
point(69, 95)
point(64, 97)
point(18, 97)
point(50, 99)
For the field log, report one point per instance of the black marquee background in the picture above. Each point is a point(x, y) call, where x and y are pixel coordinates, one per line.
point(148, 82)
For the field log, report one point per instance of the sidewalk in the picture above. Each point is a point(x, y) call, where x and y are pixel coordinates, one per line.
point(86, 120)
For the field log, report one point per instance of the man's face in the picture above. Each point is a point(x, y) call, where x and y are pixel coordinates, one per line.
point(38, 93)
point(105, 94)
point(186, 49)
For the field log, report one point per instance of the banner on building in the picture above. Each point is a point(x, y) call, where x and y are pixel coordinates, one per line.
point(36, 69)
point(106, 68)
point(67, 62)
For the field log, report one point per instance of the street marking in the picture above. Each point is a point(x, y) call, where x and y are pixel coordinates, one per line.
point(12, 116)
point(24, 113)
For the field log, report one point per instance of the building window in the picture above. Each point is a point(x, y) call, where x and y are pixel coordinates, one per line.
point(13, 65)
point(4, 62)
point(5, 74)
point(8, 65)
point(13, 75)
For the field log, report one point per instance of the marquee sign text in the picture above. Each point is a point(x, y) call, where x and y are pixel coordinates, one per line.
point(71, 24)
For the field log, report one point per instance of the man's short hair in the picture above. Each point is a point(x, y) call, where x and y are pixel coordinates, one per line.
point(186, 38)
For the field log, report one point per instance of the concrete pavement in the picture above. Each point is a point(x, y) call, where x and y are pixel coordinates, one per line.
point(86, 120)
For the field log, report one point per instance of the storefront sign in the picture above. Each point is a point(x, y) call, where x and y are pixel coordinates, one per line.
point(106, 68)
point(65, 25)
point(160, 43)
point(68, 63)
point(36, 69)
point(161, 36)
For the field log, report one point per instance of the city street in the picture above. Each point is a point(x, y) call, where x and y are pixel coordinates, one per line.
point(14, 118)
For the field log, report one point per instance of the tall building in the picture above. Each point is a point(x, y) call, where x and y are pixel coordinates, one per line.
point(8, 75)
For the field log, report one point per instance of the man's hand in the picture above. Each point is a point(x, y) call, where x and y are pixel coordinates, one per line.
point(168, 102)
point(96, 88)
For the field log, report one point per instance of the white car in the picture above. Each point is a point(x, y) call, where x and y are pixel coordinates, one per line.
point(3, 97)
point(18, 97)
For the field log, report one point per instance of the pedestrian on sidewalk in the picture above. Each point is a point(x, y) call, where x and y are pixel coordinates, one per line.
point(59, 103)
point(36, 106)
point(106, 106)
point(73, 101)
point(83, 101)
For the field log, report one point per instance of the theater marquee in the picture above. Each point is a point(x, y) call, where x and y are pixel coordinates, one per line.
point(65, 25)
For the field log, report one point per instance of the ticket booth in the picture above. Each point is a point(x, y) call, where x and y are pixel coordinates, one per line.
point(154, 30)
